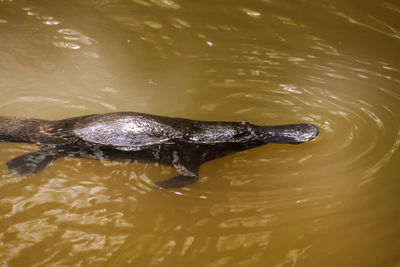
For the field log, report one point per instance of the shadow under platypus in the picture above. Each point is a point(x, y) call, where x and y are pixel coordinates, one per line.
point(128, 136)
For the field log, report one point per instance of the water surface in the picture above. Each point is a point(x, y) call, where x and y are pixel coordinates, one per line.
point(330, 202)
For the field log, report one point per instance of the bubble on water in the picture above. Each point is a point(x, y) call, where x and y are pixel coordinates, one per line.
point(71, 38)
point(31, 13)
point(72, 46)
point(67, 45)
point(72, 35)
point(251, 13)
point(51, 22)
point(67, 31)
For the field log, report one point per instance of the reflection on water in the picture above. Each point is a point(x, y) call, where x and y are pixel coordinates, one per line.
point(330, 202)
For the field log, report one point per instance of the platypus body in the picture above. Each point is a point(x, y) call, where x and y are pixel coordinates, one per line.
point(128, 136)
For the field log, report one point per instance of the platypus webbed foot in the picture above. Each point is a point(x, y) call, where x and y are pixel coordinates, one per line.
point(31, 163)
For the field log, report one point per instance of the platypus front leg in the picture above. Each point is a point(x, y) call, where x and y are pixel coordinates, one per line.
point(189, 173)
point(32, 163)
point(185, 178)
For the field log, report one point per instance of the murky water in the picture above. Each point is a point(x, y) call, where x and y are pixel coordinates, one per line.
point(330, 202)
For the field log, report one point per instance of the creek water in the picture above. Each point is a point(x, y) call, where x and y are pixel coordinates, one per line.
point(330, 202)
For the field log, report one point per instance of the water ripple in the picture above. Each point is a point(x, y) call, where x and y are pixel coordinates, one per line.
point(392, 31)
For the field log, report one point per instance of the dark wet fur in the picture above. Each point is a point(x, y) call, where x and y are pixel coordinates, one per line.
point(181, 143)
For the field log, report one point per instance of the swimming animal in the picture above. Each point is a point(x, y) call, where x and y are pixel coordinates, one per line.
point(129, 136)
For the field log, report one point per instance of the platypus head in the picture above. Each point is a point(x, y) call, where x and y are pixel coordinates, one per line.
point(251, 135)
point(286, 134)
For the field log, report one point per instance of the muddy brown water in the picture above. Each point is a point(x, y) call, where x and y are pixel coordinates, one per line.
point(331, 202)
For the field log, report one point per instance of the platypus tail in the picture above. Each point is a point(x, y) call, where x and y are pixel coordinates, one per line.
point(19, 130)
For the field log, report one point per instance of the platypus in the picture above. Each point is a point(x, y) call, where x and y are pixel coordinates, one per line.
point(130, 136)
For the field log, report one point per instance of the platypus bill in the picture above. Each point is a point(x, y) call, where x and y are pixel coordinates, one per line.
point(128, 136)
